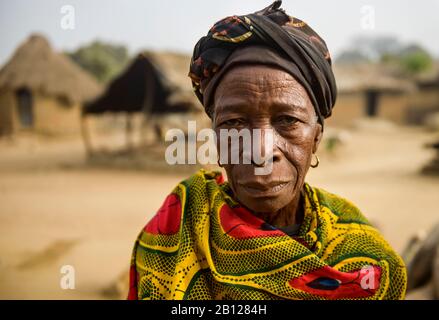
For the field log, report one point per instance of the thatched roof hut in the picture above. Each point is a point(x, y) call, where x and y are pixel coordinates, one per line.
point(366, 76)
point(36, 66)
point(154, 88)
point(155, 83)
point(370, 90)
point(42, 90)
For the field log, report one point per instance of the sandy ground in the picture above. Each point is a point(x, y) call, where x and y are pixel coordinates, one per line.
point(55, 210)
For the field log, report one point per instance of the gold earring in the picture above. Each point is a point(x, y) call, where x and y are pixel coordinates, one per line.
point(317, 162)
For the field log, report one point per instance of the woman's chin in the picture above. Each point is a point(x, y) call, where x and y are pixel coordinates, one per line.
point(264, 204)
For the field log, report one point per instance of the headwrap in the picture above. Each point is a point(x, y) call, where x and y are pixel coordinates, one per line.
point(289, 43)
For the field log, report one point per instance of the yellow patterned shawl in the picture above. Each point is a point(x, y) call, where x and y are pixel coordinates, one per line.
point(202, 244)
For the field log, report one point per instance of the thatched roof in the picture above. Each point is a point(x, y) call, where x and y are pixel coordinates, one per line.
point(155, 82)
point(175, 68)
point(429, 78)
point(36, 66)
point(366, 76)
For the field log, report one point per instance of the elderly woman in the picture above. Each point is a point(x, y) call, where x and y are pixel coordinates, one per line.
point(269, 236)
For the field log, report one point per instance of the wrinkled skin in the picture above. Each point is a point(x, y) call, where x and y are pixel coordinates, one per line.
point(265, 97)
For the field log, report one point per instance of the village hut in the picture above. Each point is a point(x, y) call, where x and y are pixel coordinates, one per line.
point(156, 86)
point(42, 91)
point(370, 90)
point(432, 167)
point(424, 104)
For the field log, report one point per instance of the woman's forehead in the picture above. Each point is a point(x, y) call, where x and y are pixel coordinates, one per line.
point(257, 78)
point(264, 71)
point(246, 85)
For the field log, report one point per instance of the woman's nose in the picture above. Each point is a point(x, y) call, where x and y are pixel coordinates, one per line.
point(264, 147)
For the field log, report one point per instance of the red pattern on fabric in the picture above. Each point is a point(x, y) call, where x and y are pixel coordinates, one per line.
point(167, 220)
point(132, 293)
point(350, 282)
point(219, 179)
point(241, 224)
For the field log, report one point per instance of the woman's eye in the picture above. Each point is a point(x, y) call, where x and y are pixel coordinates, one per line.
point(233, 122)
point(286, 120)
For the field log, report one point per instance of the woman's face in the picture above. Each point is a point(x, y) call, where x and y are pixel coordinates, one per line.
point(263, 97)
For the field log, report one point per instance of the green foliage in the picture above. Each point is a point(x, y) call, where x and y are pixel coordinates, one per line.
point(416, 62)
point(411, 59)
point(352, 56)
point(102, 60)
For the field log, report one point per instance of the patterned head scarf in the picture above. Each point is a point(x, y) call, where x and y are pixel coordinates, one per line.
point(270, 37)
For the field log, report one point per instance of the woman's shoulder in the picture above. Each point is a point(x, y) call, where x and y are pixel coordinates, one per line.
point(345, 210)
point(354, 239)
point(188, 192)
point(205, 184)
point(203, 176)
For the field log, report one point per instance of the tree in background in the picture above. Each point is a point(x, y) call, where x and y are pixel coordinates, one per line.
point(410, 59)
point(369, 49)
point(102, 60)
point(414, 60)
point(352, 56)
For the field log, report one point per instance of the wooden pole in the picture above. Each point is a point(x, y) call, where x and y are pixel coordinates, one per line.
point(86, 135)
point(129, 131)
point(148, 100)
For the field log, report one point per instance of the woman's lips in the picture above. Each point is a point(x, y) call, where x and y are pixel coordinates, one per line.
point(259, 190)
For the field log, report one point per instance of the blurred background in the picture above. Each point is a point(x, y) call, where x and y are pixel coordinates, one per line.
point(88, 90)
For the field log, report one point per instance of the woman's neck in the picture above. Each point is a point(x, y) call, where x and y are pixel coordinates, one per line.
point(292, 213)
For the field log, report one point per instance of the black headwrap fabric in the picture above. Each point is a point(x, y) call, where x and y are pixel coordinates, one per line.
point(289, 43)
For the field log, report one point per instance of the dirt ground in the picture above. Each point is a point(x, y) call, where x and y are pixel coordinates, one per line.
point(56, 210)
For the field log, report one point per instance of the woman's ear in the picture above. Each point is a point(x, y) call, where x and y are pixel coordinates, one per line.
point(317, 137)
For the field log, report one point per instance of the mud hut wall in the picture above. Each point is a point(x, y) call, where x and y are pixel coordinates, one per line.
point(349, 106)
point(53, 115)
point(7, 106)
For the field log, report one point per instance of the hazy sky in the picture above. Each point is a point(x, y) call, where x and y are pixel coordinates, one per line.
point(178, 24)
